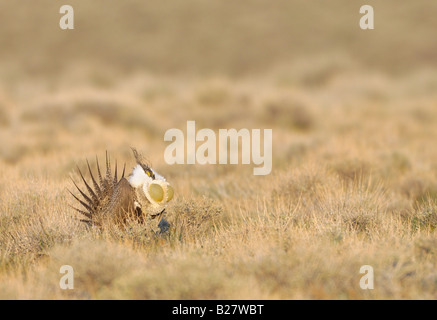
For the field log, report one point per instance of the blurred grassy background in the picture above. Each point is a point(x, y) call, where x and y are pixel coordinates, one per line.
point(210, 37)
point(353, 112)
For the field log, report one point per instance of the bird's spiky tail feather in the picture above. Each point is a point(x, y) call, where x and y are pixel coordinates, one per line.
point(96, 198)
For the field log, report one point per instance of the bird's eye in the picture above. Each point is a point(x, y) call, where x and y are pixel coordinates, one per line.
point(156, 192)
point(148, 171)
point(150, 174)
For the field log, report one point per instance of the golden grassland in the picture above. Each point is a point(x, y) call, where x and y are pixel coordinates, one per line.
point(353, 113)
point(354, 183)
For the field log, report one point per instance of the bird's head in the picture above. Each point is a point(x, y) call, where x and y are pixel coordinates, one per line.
point(154, 191)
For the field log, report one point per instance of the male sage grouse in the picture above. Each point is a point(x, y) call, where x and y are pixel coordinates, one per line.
point(144, 194)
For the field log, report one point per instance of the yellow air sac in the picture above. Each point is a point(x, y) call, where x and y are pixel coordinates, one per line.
point(156, 192)
point(170, 193)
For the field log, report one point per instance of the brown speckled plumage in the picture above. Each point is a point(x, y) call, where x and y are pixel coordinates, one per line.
point(110, 199)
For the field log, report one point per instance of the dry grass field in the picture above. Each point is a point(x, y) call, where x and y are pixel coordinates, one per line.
point(354, 179)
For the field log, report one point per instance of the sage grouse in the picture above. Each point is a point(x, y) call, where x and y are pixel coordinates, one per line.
point(144, 194)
